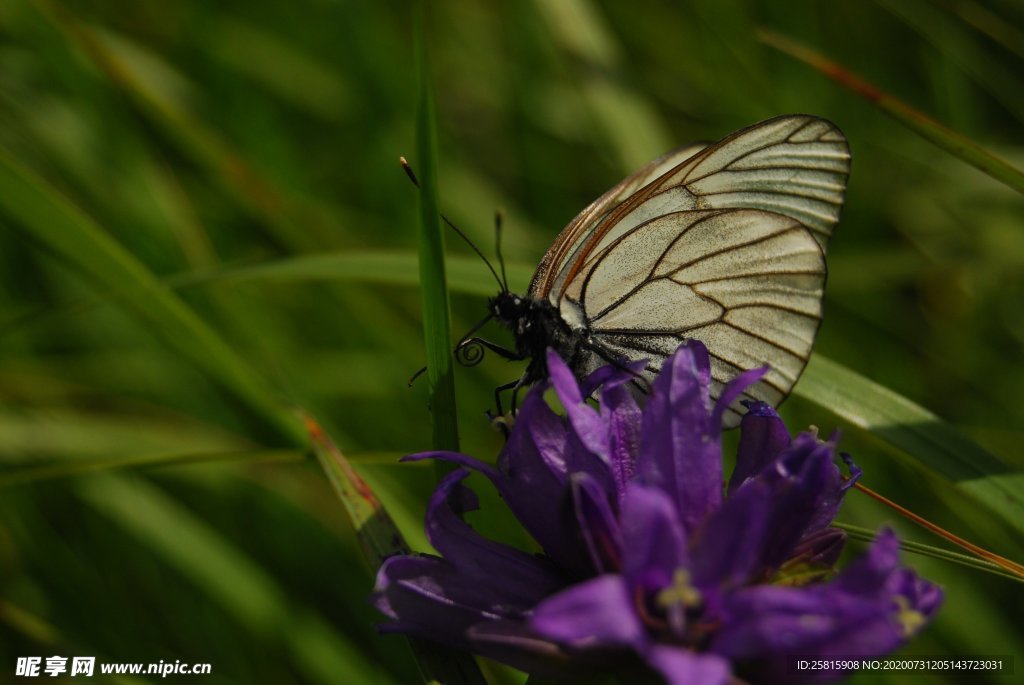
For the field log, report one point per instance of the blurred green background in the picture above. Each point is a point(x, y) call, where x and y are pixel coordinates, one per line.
point(202, 219)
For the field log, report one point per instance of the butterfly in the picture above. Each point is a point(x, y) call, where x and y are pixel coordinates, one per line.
point(723, 243)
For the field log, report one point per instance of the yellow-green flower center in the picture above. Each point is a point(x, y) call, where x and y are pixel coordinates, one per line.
point(681, 591)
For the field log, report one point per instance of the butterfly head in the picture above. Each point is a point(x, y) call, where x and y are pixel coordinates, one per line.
point(508, 308)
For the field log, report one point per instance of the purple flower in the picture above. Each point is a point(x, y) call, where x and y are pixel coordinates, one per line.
point(647, 561)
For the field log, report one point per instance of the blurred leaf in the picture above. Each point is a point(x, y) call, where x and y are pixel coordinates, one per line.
point(949, 38)
point(952, 142)
point(282, 68)
point(912, 430)
point(631, 128)
point(380, 539)
point(232, 580)
point(60, 226)
point(159, 95)
point(20, 476)
point(464, 274)
point(992, 25)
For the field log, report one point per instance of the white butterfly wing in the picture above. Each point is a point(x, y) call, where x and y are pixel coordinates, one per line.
point(726, 247)
point(795, 165)
point(576, 231)
point(745, 282)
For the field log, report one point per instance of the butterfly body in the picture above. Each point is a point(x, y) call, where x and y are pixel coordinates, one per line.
point(722, 242)
point(537, 325)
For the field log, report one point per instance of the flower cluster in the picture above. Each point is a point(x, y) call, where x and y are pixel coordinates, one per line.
point(647, 560)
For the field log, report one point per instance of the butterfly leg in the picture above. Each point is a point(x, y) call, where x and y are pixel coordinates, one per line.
point(500, 421)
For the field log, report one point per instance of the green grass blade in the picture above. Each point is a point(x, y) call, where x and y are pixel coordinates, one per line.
point(51, 220)
point(956, 144)
point(379, 539)
point(951, 39)
point(81, 467)
point(187, 544)
point(388, 267)
point(867, 535)
point(466, 275)
point(912, 430)
point(433, 282)
point(378, 536)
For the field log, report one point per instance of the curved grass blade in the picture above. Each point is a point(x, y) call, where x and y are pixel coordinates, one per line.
point(51, 220)
point(389, 267)
point(291, 221)
point(379, 539)
point(867, 535)
point(952, 142)
point(239, 585)
point(81, 467)
point(433, 282)
point(950, 38)
point(912, 430)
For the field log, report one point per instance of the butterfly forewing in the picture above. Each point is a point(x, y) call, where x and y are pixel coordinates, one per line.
point(572, 237)
point(794, 165)
point(726, 246)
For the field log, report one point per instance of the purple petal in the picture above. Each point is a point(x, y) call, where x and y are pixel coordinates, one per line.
point(806, 486)
point(579, 459)
point(679, 448)
point(534, 483)
point(729, 549)
point(821, 547)
point(513, 643)
point(621, 413)
point(465, 460)
point(680, 666)
point(537, 442)
point(834, 491)
point(734, 390)
point(869, 573)
point(763, 436)
point(597, 613)
point(655, 549)
point(611, 376)
point(766, 627)
point(656, 541)
point(597, 522)
point(869, 610)
point(520, 579)
point(584, 419)
point(426, 596)
point(920, 595)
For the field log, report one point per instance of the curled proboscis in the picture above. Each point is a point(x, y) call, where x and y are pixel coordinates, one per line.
point(469, 352)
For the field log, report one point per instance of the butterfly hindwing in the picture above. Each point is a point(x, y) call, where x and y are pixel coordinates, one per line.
point(747, 283)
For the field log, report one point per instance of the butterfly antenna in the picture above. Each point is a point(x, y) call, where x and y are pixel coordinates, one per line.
point(415, 181)
point(498, 218)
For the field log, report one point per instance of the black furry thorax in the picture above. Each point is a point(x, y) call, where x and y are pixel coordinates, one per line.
point(536, 326)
